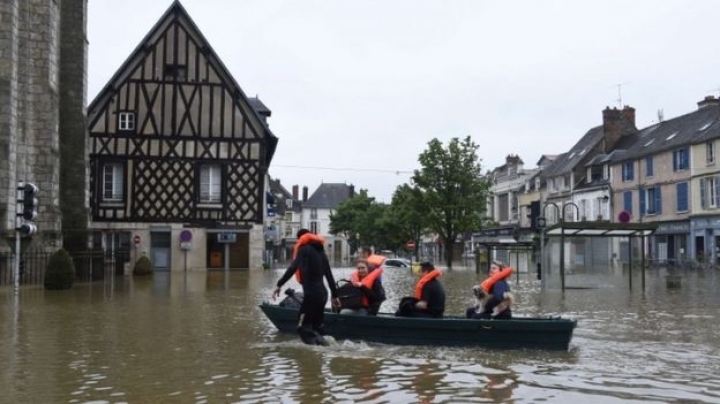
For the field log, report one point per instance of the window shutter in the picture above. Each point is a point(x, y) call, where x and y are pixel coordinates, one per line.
point(716, 179)
point(627, 196)
point(658, 200)
point(703, 203)
point(641, 198)
point(675, 160)
point(682, 197)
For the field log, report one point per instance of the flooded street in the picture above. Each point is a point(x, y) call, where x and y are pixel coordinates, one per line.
point(200, 338)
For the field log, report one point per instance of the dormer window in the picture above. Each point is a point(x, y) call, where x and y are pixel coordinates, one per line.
point(289, 203)
point(126, 120)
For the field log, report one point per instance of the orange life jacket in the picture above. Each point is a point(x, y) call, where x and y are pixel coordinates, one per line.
point(435, 273)
point(304, 239)
point(376, 260)
point(367, 281)
point(503, 274)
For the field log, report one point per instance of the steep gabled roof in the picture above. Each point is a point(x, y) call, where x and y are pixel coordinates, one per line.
point(176, 14)
point(694, 127)
point(277, 189)
point(566, 162)
point(329, 196)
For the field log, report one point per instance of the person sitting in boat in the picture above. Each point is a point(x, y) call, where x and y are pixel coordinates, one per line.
point(493, 294)
point(374, 260)
point(372, 293)
point(429, 297)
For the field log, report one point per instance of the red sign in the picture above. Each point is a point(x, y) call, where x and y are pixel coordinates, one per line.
point(136, 240)
point(623, 217)
point(410, 245)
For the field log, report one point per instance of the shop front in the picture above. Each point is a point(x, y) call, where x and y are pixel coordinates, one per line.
point(706, 238)
point(671, 241)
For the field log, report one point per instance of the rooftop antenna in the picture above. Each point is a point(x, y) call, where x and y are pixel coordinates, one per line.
point(660, 115)
point(619, 89)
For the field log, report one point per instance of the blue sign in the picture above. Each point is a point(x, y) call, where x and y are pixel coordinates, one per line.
point(227, 237)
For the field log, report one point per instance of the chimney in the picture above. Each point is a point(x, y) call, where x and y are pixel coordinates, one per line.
point(617, 123)
point(708, 101)
point(305, 193)
point(352, 190)
point(295, 192)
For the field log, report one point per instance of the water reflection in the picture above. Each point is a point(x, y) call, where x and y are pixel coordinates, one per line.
point(199, 337)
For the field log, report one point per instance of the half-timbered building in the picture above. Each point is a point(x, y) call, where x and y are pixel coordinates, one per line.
point(178, 156)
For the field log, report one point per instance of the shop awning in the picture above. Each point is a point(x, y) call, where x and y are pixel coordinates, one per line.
point(602, 229)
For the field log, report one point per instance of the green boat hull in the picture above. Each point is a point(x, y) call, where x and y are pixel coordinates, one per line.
point(519, 333)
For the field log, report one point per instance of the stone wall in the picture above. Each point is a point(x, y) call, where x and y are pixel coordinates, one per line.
point(74, 173)
point(32, 89)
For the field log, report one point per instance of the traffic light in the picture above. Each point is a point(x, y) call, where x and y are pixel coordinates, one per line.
point(27, 229)
point(29, 200)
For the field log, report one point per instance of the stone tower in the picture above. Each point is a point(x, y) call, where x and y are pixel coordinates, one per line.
point(43, 70)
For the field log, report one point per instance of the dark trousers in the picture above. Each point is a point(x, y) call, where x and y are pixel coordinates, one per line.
point(311, 316)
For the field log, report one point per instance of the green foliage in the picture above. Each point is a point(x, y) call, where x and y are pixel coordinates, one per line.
point(60, 271)
point(406, 216)
point(361, 220)
point(453, 188)
point(143, 266)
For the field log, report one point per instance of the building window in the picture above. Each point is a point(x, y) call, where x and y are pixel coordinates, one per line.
point(126, 120)
point(627, 201)
point(314, 227)
point(113, 182)
point(210, 184)
point(627, 171)
point(682, 196)
point(710, 152)
point(289, 203)
point(709, 188)
point(680, 159)
point(648, 166)
point(313, 214)
point(654, 202)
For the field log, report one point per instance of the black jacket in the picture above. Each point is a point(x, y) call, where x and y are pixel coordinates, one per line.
point(313, 265)
point(434, 294)
point(375, 296)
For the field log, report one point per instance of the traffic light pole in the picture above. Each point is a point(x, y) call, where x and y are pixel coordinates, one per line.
point(16, 265)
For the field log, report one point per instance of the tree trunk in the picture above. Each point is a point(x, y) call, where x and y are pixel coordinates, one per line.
point(449, 244)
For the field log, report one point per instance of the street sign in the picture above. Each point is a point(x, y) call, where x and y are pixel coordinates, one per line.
point(227, 237)
point(624, 217)
point(410, 245)
point(136, 240)
point(185, 239)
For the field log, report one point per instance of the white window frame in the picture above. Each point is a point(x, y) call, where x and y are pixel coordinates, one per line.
point(113, 181)
point(710, 152)
point(210, 184)
point(126, 120)
point(314, 227)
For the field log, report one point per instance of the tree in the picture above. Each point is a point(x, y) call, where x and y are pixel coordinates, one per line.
point(454, 190)
point(406, 216)
point(360, 219)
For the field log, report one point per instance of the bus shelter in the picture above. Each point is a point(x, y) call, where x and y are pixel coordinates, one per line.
point(631, 231)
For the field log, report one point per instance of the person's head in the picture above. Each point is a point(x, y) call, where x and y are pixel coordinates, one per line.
point(426, 266)
point(495, 267)
point(365, 252)
point(302, 232)
point(362, 267)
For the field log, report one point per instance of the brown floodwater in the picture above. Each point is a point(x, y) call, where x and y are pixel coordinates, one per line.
point(200, 338)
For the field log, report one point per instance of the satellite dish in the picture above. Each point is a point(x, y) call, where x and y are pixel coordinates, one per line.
point(623, 217)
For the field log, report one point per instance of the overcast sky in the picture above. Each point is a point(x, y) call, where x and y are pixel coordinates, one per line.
point(360, 87)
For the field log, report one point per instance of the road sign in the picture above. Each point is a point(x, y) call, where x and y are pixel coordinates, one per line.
point(136, 240)
point(624, 217)
point(410, 245)
point(185, 236)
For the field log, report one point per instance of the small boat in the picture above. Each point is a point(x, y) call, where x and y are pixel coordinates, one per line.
point(551, 333)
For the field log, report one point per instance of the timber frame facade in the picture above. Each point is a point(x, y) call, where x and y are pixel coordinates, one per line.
point(176, 146)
